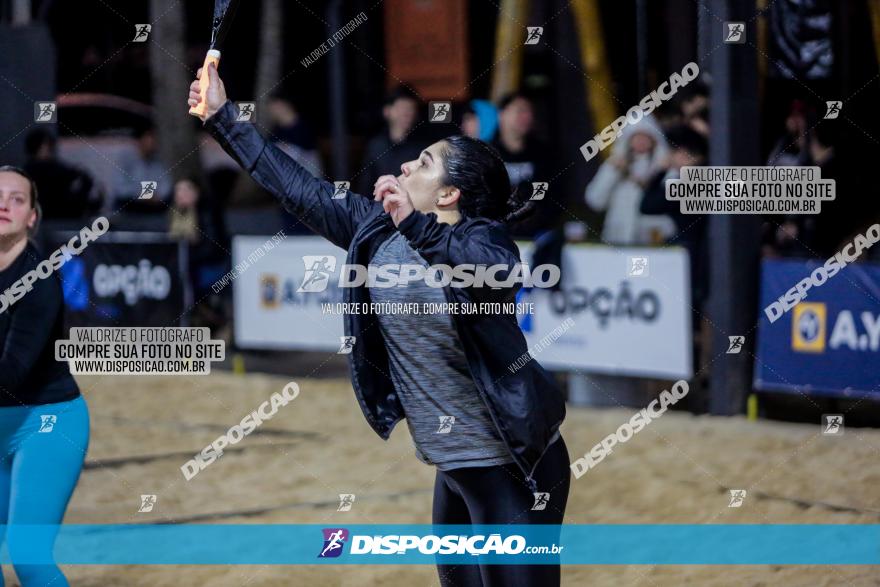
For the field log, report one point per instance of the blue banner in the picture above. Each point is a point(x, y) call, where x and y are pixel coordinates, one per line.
point(829, 342)
point(576, 544)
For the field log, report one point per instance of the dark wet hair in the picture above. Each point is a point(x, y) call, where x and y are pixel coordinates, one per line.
point(35, 202)
point(477, 170)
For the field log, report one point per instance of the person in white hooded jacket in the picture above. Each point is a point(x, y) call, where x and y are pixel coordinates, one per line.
point(637, 155)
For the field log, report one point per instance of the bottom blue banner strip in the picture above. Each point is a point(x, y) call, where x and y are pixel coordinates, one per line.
point(576, 544)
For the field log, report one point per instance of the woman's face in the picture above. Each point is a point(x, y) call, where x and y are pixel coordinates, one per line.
point(423, 178)
point(16, 213)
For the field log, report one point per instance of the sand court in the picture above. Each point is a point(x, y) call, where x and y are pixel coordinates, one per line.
point(291, 470)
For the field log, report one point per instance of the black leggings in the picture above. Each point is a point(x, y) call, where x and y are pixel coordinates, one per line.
point(500, 495)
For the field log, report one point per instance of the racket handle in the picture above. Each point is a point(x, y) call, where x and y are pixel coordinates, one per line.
point(199, 109)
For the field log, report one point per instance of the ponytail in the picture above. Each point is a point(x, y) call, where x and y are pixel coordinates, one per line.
point(518, 209)
point(479, 173)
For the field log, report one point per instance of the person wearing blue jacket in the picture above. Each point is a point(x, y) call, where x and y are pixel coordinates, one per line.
point(488, 423)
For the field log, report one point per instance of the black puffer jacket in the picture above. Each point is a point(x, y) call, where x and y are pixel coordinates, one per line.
point(525, 404)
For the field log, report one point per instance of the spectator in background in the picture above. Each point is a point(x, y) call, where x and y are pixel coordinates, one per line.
point(480, 120)
point(791, 148)
point(699, 122)
point(140, 166)
point(638, 155)
point(394, 146)
point(65, 191)
point(526, 161)
point(294, 135)
point(694, 99)
point(851, 211)
point(822, 235)
point(192, 218)
point(694, 106)
point(787, 235)
point(688, 147)
point(668, 115)
point(470, 123)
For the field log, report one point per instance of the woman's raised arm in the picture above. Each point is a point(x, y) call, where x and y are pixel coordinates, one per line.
point(305, 196)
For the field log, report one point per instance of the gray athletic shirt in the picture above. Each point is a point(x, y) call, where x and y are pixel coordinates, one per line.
point(430, 374)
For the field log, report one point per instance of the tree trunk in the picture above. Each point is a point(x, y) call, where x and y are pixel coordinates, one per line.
point(269, 58)
point(171, 77)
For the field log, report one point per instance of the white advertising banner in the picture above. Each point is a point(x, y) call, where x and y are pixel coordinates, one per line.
point(623, 311)
point(269, 311)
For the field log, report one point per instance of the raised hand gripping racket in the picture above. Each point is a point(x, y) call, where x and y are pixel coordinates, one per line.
point(224, 10)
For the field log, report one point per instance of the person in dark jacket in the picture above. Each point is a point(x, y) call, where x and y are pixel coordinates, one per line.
point(44, 420)
point(688, 148)
point(527, 161)
point(195, 217)
point(68, 192)
point(491, 430)
point(395, 145)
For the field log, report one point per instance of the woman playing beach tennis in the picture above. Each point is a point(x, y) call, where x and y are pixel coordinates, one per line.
point(491, 431)
point(44, 421)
